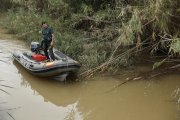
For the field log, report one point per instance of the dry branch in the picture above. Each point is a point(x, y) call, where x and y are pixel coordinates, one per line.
point(4, 91)
point(10, 115)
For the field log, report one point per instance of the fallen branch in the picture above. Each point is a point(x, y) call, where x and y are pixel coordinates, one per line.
point(10, 115)
point(112, 59)
point(175, 66)
point(128, 80)
point(4, 91)
point(147, 76)
point(6, 86)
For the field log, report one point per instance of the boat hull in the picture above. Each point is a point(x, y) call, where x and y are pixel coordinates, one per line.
point(63, 64)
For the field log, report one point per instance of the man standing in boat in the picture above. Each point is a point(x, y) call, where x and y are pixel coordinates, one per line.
point(48, 41)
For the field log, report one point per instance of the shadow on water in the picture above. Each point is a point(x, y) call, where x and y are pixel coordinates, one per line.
point(52, 90)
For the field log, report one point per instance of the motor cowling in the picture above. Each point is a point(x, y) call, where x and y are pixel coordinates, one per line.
point(35, 47)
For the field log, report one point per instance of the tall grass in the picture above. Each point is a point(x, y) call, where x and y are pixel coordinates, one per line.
point(5, 4)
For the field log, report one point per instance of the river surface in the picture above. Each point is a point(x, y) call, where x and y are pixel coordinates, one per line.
point(33, 98)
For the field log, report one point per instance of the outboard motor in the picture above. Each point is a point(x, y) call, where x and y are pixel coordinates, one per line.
point(35, 47)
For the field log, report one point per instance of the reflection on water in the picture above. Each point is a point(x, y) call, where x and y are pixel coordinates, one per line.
point(47, 88)
point(47, 99)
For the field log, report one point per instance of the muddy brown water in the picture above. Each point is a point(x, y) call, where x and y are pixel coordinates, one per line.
point(33, 98)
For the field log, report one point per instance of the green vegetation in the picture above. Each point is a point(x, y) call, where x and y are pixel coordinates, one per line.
point(5, 5)
point(101, 34)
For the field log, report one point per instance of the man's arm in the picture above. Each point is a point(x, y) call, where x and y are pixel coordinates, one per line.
point(52, 42)
point(52, 35)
